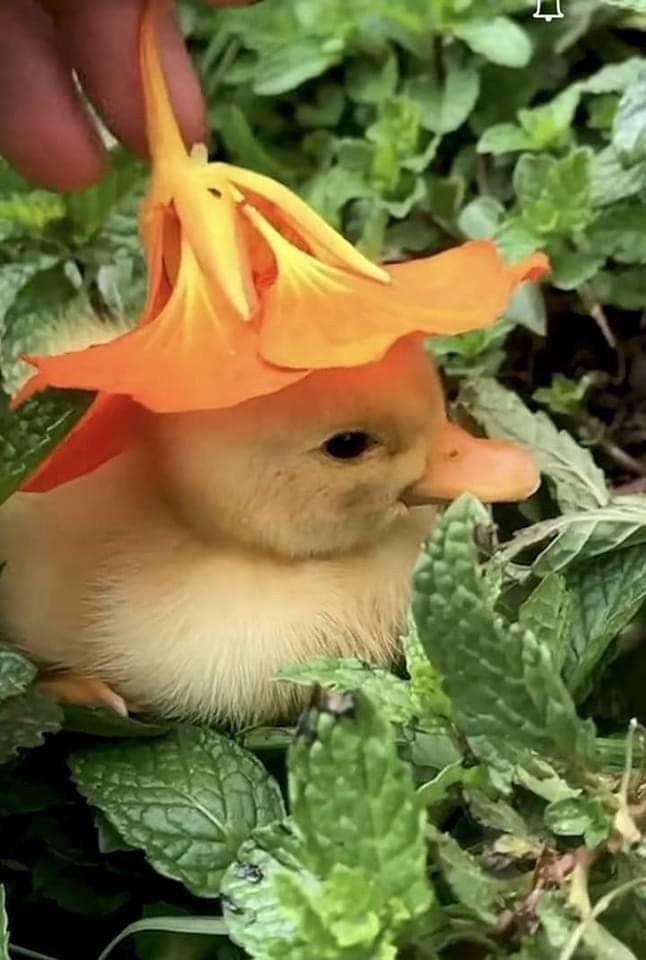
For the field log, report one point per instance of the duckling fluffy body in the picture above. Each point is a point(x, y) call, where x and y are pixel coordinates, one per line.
point(227, 544)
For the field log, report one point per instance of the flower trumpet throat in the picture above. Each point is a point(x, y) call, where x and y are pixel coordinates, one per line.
point(250, 292)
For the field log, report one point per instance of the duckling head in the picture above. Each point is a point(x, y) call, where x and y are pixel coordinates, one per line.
point(330, 464)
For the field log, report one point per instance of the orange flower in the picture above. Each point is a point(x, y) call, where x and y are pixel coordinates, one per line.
point(249, 289)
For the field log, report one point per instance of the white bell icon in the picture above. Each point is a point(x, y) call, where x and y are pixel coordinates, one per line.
point(548, 10)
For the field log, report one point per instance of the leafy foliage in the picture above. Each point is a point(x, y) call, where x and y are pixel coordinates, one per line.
point(485, 801)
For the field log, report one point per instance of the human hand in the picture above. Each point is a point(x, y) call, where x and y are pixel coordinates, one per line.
point(45, 132)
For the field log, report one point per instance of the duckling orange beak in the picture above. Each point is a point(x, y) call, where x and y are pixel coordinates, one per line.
point(492, 470)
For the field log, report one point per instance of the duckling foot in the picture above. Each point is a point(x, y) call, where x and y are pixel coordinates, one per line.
point(85, 691)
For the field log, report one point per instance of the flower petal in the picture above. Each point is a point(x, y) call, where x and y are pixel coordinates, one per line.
point(325, 243)
point(206, 217)
point(195, 355)
point(110, 425)
point(464, 288)
point(315, 315)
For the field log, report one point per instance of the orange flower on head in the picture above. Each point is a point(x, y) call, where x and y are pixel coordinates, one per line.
point(249, 290)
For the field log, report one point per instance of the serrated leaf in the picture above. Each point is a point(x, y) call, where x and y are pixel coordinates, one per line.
point(479, 218)
point(500, 678)
point(620, 233)
point(572, 268)
point(629, 128)
point(188, 800)
point(89, 209)
point(284, 66)
point(445, 103)
point(426, 692)
point(555, 196)
point(580, 816)
point(504, 138)
point(547, 612)
point(614, 77)
point(527, 308)
point(250, 899)
point(607, 593)
point(478, 892)
point(621, 288)
point(13, 276)
point(396, 135)
point(4, 928)
point(565, 396)
point(611, 180)
point(516, 239)
point(582, 535)
point(16, 673)
point(50, 314)
point(366, 82)
point(499, 39)
point(102, 722)
point(550, 122)
point(242, 144)
point(391, 696)
point(376, 822)
point(32, 431)
point(350, 871)
point(31, 212)
point(578, 482)
point(496, 813)
point(24, 720)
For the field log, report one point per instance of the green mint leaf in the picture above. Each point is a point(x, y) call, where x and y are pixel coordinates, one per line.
point(444, 104)
point(24, 720)
point(581, 535)
point(547, 612)
point(188, 800)
point(580, 817)
point(396, 135)
point(391, 696)
point(101, 722)
point(376, 822)
point(565, 396)
point(365, 82)
point(349, 872)
point(479, 219)
point(606, 594)
point(496, 813)
point(501, 680)
point(629, 128)
point(504, 138)
point(611, 180)
point(31, 433)
point(478, 892)
point(555, 196)
point(31, 212)
point(283, 66)
point(426, 692)
point(16, 673)
point(620, 233)
point(578, 482)
point(572, 268)
point(499, 39)
point(614, 77)
point(551, 122)
point(516, 238)
point(89, 209)
point(621, 288)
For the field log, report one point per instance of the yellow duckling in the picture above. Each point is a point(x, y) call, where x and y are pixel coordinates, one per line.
point(253, 480)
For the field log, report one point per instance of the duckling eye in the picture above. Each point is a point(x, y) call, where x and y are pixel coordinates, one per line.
point(348, 446)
